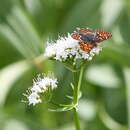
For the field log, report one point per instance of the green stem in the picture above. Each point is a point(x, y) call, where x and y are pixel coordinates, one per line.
point(127, 84)
point(76, 119)
point(77, 86)
point(128, 105)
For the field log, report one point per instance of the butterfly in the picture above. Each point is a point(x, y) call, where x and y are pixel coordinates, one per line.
point(88, 38)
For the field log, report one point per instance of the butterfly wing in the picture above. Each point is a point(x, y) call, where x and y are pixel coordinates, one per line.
point(101, 35)
point(87, 47)
point(80, 34)
point(85, 31)
point(76, 36)
point(90, 36)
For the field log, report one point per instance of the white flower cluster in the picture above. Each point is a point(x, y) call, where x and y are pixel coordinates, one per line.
point(67, 47)
point(40, 86)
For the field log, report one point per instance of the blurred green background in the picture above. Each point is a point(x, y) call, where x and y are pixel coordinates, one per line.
point(25, 25)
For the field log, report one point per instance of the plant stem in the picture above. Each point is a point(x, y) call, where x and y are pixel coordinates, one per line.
point(127, 83)
point(76, 94)
point(76, 119)
point(128, 105)
point(77, 88)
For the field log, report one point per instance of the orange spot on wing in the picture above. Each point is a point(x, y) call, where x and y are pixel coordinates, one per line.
point(75, 36)
point(102, 35)
point(85, 30)
point(86, 46)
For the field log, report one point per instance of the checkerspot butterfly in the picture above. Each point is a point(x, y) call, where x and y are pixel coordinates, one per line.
point(88, 38)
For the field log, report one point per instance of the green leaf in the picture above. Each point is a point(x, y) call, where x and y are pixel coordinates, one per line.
point(21, 24)
point(109, 16)
point(14, 125)
point(84, 13)
point(109, 122)
point(127, 82)
point(102, 75)
point(21, 34)
point(115, 53)
point(61, 109)
point(15, 41)
point(9, 75)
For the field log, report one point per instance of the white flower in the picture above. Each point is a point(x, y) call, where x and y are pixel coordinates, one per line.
point(34, 98)
point(40, 86)
point(50, 50)
point(53, 83)
point(36, 88)
point(66, 48)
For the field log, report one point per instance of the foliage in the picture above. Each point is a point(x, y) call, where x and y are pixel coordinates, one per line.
point(24, 28)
